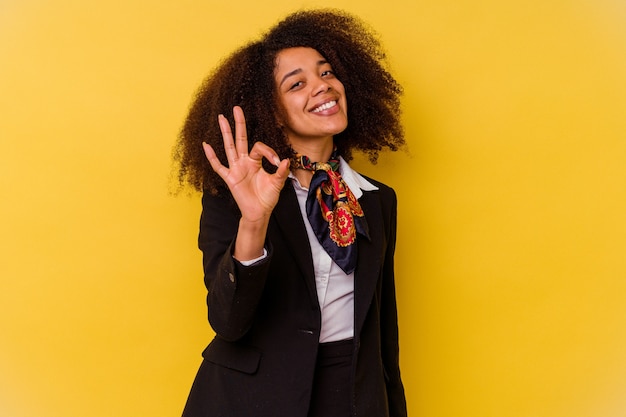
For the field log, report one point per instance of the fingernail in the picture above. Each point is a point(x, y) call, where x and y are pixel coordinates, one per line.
point(276, 161)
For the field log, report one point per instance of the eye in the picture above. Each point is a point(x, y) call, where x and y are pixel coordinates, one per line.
point(328, 73)
point(296, 85)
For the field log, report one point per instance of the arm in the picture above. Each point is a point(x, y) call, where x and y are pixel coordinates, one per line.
point(230, 234)
point(234, 290)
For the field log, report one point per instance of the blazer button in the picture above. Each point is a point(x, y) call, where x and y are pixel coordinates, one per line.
point(231, 277)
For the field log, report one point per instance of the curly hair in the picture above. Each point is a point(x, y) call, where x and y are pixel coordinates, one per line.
point(246, 79)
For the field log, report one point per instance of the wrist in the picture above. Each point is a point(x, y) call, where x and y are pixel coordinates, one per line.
point(250, 240)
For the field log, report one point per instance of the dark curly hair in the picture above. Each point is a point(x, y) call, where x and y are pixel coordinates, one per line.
point(246, 79)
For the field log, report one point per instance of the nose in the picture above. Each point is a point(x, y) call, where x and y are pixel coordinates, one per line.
point(321, 87)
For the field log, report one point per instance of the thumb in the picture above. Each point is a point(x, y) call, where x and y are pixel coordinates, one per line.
point(282, 171)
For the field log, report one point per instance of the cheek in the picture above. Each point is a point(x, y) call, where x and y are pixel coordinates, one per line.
point(293, 107)
point(341, 90)
point(339, 85)
point(281, 112)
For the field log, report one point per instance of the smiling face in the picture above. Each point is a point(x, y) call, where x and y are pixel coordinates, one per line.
point(312, 101)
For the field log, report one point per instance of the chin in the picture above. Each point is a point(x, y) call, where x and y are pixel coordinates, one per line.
point(335, 127)
point(339, 129)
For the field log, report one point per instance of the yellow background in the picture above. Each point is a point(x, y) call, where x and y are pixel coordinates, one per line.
point(511, 258)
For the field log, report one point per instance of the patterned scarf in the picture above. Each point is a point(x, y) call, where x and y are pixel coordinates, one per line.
point(334, 212)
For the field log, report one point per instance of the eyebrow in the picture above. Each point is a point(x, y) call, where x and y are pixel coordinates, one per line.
point(299, 70)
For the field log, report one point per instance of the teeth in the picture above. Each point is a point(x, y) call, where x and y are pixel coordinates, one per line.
point(325, 106)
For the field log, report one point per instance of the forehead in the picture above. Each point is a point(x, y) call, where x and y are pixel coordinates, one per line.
point(293, 58)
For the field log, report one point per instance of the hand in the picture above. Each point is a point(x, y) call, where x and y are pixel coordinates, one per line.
point(255, 190)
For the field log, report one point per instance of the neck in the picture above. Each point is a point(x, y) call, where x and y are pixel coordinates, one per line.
point(304, 177)
point(317, 151)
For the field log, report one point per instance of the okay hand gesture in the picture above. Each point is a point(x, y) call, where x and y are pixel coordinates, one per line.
point(255, 190)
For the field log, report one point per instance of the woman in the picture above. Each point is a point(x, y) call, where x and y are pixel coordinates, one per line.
point(297, 247)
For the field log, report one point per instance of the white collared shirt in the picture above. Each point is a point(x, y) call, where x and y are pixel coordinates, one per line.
point(335, 288)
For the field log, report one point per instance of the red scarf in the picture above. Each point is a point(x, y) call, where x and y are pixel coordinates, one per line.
point(333, 211)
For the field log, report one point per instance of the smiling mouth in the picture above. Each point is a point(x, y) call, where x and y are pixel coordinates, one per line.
point(325, 106)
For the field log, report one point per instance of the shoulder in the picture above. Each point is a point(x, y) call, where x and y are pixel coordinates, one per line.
point(385, 197)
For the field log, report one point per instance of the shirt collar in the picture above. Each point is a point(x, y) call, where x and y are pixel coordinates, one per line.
point(355, 181)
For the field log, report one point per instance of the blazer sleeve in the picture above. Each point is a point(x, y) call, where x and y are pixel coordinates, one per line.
point(234, 290)
point(389, 319)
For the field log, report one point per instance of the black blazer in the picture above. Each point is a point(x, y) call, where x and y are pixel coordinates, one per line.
point(267, 318)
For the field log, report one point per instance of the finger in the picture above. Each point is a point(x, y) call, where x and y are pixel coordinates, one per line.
point(283, 169)
point(217, 166)
point(227, 136)
point(260, 150)
point(241, 134)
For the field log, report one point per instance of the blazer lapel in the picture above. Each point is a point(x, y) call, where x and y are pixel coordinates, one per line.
point(291, 225)
point(370, 254)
